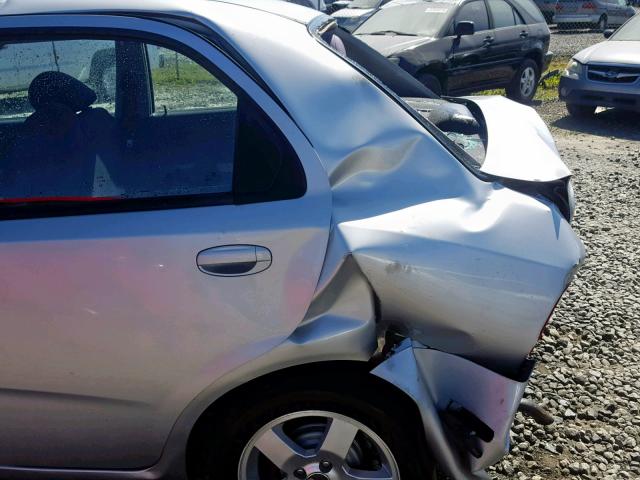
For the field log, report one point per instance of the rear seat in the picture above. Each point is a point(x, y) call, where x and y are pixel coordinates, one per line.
point(55, 154)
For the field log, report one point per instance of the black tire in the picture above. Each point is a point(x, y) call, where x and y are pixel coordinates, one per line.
point(222, 439)
point(431, 82)
point(580, 111)
point(603, 23)
point(515, 90)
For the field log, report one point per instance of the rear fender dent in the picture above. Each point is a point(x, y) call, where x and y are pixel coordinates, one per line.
point(434, 379)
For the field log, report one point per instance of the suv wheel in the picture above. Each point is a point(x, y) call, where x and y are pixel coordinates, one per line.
point(431, 82)
point(525, 82)
point(580, 110)
point(307, 432)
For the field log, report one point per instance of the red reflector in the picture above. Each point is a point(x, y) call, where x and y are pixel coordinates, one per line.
point(588, 6)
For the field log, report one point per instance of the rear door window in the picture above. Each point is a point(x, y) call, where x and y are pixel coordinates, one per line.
point(89, 61)
point(475, 12)
point(181, 84)
point(502, 13)
point(529, 11)
point(96, 125)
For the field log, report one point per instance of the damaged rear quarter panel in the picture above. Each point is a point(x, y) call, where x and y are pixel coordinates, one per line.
point(473, 277)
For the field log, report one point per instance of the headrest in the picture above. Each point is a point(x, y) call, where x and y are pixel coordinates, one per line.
point(58, 87)
point(53, 121)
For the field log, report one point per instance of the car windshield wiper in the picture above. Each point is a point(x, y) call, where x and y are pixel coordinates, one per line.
point(391, 32)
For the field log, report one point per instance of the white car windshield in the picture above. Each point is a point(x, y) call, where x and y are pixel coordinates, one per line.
point(423, 19)
point(630, 32)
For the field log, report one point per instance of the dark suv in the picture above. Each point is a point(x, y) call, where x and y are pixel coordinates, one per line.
point(463, 46)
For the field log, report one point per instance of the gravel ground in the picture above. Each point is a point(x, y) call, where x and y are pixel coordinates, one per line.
point(567, 43)
point(588, 376)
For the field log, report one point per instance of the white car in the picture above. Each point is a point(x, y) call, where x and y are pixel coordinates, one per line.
point(247, 246)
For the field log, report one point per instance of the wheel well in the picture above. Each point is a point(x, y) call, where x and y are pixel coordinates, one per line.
point(341, 374)
point(536, 56)
point(437, 71)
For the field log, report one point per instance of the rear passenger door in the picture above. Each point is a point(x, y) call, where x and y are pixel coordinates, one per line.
point(470, 66)
point(511, 39)
point(154, 235)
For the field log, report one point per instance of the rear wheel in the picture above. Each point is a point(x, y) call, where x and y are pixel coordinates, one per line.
point(314, 433)
point(525, 82)
point(431, 82)
point(580, 111)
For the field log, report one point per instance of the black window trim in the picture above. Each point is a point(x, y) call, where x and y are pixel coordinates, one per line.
point(10, 210)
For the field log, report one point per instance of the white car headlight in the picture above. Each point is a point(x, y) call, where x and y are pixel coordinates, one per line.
point(573, 69)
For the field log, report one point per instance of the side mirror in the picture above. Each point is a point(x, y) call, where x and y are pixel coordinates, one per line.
point(464, 28)
point(608, 32)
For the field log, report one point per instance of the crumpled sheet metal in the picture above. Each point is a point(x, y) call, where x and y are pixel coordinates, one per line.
point(520, 145)
point(459, 264)
point(433, 379)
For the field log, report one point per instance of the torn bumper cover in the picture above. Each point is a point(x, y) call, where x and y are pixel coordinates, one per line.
point(467, 410)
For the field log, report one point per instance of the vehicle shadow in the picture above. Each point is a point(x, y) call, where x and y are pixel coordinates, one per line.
point(606, 123)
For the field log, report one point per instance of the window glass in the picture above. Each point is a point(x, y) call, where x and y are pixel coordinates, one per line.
point(475, 12)
point(502, 13)
point(90, 61)
point(62, 145)
point(530, 11)
point(630, 31)
point(415, 19)
point(180, 83)
point(518, 17)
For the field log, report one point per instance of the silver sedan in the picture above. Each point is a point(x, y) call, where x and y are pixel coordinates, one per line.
point(606, 74)
point(238, 243)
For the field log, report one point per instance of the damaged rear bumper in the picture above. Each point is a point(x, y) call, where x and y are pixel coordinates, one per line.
point(467, 410)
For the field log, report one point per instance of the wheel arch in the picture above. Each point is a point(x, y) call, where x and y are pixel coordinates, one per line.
point(537, 56)
point(436, 69)
point(344, 372)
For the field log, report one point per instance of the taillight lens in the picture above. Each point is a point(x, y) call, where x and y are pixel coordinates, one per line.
point(588, 6)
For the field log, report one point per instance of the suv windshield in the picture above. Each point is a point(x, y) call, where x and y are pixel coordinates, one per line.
point(423, 19)
point(629, 32)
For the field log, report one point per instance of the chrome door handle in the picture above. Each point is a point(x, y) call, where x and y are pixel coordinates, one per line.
point(524, 34)
point(234, 260)
point(488, 41)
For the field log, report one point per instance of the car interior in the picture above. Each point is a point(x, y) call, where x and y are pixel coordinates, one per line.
point(136, 122)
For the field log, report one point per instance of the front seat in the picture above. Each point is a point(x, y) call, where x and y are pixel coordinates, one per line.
point(55, 155)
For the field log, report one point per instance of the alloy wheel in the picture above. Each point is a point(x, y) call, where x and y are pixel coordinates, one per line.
point(316, 445)
point(527, 82)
